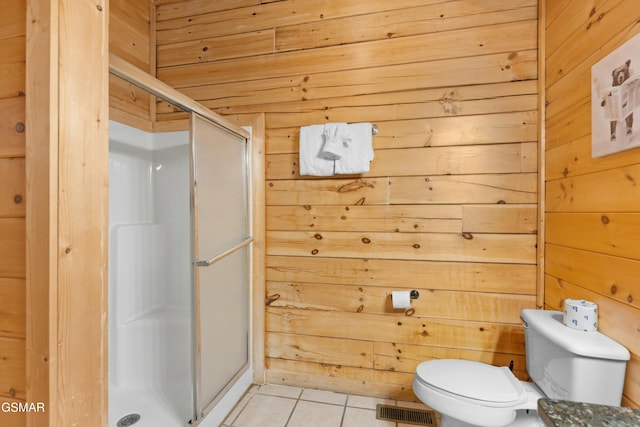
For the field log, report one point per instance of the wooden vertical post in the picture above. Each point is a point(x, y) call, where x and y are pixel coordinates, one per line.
point(258, 254)
point(83, 213)
point(542, 22)
point(42, 207)
point(67, 117)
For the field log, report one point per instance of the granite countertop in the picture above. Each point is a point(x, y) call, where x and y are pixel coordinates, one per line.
point(564, 413)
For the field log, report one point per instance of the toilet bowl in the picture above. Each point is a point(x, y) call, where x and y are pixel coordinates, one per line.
point(476, 394)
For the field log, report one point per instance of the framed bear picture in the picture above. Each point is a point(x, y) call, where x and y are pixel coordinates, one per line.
point(615, 94)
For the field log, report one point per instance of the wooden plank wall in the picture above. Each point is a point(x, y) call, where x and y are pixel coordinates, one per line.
point(448, 208)
point(593, 213)
point(131, 35)
point(12, 208)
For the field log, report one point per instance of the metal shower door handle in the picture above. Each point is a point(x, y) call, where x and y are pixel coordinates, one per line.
point(221, 255)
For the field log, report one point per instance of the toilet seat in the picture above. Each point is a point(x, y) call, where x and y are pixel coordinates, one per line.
point(471, 381)
point(473, 392)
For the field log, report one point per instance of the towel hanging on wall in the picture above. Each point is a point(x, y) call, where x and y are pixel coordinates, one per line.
point(311, 160)
point(338, 148)
point(336, 140)
point(358, 155)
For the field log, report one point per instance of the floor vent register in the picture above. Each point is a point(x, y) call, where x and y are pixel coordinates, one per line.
point(419, 417)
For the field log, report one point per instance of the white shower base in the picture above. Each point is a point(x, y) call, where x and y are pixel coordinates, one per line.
point(152, 405)
point(152, 378)
point(146, 404)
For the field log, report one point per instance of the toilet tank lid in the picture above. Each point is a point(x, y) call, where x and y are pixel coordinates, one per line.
point(590, 344)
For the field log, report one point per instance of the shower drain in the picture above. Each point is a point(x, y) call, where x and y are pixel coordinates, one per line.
point(128, 420)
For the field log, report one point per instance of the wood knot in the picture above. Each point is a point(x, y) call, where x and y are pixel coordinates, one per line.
point(355, 186)
point(359, 309)
point(467, 236)
point(409, 312)
point(366, 240)
point(614, 289)
point(604, 219)
point(17, 199)
point(314, 252)
point(318, 236)
point(416, 246)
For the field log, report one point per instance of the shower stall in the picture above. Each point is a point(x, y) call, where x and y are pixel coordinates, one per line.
point(179, 268)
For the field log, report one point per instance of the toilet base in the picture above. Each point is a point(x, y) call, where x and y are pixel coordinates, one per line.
point(524, 418)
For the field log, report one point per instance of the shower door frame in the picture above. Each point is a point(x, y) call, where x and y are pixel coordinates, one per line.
point(255, 207)
point(201, 338)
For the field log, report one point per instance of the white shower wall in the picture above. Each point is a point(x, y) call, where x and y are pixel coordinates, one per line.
point(150, 359)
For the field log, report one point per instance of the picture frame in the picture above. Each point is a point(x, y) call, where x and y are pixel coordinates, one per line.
point(615, 95)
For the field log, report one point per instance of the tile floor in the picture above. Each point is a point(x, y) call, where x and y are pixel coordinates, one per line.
point(282, 406)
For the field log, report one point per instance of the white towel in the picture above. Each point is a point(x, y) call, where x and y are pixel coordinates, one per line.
point(336, 140)
point(311, 160)
point(357, 156)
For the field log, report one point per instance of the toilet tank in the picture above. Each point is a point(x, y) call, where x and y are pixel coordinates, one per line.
point(570, 364)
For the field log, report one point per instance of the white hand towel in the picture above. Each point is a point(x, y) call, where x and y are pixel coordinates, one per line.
point(359, 154)
point(311, 160)
point(336, 140)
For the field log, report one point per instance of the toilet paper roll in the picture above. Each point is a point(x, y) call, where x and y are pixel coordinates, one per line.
point(401, 299)
point(581, 315)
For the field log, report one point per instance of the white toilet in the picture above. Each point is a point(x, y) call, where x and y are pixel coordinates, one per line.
point(564, 363)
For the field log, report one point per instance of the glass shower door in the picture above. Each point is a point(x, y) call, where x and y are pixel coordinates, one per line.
point(221, 248)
